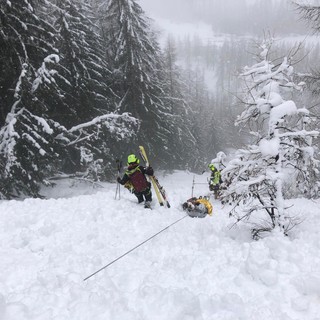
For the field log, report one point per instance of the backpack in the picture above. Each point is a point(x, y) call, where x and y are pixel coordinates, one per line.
point(138, 179)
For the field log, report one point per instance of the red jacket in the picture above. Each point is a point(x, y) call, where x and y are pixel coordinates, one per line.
point(136, 175)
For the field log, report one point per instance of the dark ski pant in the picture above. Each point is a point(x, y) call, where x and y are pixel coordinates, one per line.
point(215, 188)
point(144, 195)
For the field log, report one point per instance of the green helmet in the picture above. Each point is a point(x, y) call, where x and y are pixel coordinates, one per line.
point(211, 166)
point(132, 159)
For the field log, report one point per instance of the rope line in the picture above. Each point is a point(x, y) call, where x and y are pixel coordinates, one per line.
point(110, 263)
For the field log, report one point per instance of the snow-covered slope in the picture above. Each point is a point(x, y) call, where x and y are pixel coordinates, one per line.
point(198, 269)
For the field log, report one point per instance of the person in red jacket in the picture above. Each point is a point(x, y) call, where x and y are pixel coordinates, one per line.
point(136, 176)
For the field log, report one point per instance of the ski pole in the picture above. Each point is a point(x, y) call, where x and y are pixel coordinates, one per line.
point(119, 165)
point(117, 191)
point(192, 187)
point(123, 255)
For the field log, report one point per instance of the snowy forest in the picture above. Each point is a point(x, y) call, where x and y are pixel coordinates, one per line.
point(81, 84)
point(84, 82)
point(214, 104)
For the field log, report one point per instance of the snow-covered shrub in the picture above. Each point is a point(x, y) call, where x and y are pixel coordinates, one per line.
point(97, 142)
point(282, 147)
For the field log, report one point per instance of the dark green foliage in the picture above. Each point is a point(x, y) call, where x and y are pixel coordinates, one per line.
point(24, 38)
point(54, 77)
point(83, 62)
point(28, 143)
point(186, 140)
point(135, 58)
point(75, 95)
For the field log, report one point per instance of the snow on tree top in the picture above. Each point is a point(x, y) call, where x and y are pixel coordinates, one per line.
point(269, 147)
point(286, 108)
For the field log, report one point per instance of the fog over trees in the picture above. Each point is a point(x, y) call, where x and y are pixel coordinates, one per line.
point(230, 16)
point(237, 29)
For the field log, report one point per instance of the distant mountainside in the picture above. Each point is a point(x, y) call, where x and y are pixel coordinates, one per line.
point(231, 16)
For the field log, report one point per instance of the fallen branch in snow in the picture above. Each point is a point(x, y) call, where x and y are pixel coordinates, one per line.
point(94, 183)
point(66, 176)
point(76, 176)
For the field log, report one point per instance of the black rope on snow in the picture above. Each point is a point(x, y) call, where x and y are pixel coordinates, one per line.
point(109, 264)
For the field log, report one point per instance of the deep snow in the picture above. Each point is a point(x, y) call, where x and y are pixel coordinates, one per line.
point(198, 269)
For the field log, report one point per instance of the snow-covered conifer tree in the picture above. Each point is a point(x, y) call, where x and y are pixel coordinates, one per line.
point(310, 12)
point(43, 119)
point(28, 144)
point(84, 79)
point(185, 141)
point(33, 146)
point(135, 58)
point(83, 61)
point(25, 37)
point(255, 180)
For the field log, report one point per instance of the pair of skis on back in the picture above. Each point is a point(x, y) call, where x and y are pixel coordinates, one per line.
point(159, 190)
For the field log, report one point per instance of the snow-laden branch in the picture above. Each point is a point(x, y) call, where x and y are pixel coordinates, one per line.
point(44, 74)
point(119, 126)
point(109, 119)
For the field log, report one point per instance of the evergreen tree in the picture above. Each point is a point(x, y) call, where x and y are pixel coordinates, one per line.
point(186, 141)
point(198, 100)
point(34, 146)
point(58, 105)
point(83, 62)
point(310, 12)
point(85, 80)
point(29, 142)
point(255, 179)
point(135, 58)
point(26, 134)
point(25, 37)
